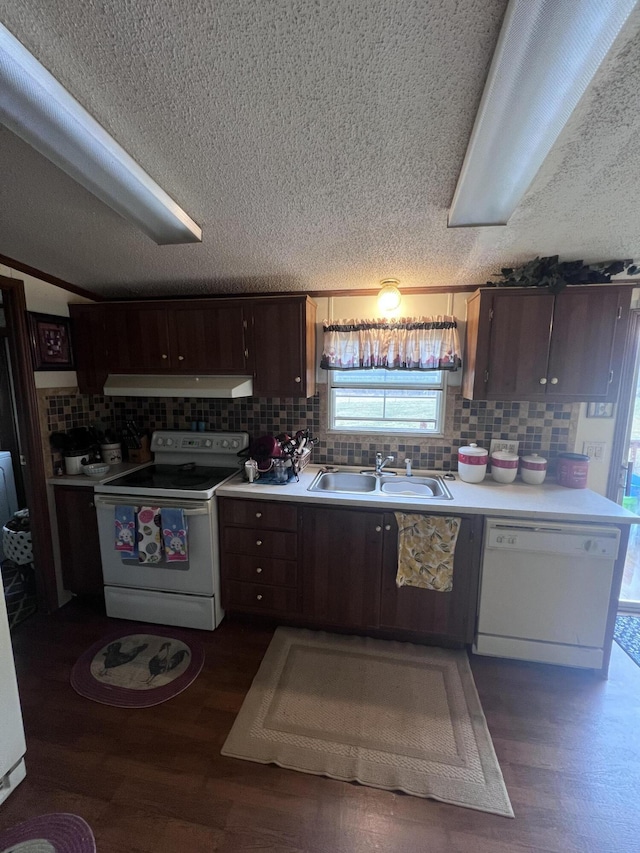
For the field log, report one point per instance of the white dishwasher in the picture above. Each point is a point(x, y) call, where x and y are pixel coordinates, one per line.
point(544, 591)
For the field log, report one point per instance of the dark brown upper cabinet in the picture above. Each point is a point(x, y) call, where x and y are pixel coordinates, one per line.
point(203, 336)
point(272, 338)
point(284, 346)
point(527, 344)
point(88, 337)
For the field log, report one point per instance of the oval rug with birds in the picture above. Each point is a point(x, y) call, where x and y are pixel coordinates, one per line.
point(138, 670)
point(49, 833)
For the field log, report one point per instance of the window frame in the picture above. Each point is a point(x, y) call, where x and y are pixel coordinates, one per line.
point(440, 387)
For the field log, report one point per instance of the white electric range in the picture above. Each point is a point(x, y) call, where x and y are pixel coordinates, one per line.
point(188, 468)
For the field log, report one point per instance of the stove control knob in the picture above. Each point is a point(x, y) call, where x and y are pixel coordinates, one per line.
point(225, 443)
point(169, 442)
point(160, 442)
point(235, 443)
point(208, 443)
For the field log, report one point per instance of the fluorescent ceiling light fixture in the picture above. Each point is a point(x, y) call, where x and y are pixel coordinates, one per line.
point(547, 54)
point(40, 111)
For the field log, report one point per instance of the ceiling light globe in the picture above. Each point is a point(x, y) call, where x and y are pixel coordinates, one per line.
point(389, 296)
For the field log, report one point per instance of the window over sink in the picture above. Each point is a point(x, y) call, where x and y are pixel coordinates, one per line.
point(387, 401)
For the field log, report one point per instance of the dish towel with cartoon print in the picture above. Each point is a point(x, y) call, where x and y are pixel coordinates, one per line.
point(125, 531)
point(149, 539)
point(426, 546)
point(174, 534)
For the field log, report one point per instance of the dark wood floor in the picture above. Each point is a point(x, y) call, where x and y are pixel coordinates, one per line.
point(154, 780)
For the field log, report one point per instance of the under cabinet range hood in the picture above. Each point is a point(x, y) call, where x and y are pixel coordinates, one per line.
point(140, 385)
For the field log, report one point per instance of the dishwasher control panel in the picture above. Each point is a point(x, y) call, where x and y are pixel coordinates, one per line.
point(581, 540)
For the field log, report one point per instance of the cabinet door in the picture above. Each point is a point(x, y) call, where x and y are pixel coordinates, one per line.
point(137, 338)
point(342, 554)
point(87, 328)
point(78, 538)
point(208, 337)
point(445, 616)
point(284, 347)
point(586, 346)
point(519, 345)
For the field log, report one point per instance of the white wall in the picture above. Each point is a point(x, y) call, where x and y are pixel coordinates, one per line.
point(45, 298)
point(598, 431)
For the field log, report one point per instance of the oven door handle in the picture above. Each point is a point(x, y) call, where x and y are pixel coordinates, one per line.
point(199, 509)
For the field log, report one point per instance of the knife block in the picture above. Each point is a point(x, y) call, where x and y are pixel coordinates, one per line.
point(142, 453)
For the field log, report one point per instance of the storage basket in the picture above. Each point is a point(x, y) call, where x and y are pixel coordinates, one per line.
point(16, 545)
point(19, 588)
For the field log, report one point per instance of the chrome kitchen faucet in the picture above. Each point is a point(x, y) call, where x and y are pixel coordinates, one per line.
point(380, 463)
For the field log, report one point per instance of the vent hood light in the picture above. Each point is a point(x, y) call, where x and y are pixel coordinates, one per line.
point(224, 387)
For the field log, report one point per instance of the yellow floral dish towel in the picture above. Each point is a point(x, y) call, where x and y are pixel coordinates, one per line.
point(426, 545)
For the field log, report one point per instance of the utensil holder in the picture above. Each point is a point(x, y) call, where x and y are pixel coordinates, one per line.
point(142, 453)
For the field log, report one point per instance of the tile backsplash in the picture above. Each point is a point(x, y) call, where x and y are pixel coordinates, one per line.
point(547, 428)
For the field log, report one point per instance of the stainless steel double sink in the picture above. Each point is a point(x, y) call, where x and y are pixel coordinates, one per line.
point(353, 483)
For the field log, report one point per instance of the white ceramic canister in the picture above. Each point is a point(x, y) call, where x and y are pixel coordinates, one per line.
point(504, 466)
point(472, 463)
point(111, 453)
point(533, 469)
point(74, 460)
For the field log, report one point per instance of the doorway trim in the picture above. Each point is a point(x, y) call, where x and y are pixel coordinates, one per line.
point(623, 409)
point(35, 478)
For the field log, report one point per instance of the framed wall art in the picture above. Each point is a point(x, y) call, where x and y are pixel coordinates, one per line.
point(50, 342)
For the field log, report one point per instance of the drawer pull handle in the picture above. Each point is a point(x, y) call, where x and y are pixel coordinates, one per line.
point(554, 380)
point(258, 570)
point(180, 358)
point(543, 381)
point(259, 597)
point(164, 355)
point(258, 541)
point(298, 379)
point(387, 527)
point(378, 528)
point(258, 515)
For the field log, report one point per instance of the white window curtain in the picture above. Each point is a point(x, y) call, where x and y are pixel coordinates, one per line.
point(408, 343)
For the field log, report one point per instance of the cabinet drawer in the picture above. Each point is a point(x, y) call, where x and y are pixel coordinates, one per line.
point(260, 514)
point(264, 570)
point(258, 597)
point(267, 543)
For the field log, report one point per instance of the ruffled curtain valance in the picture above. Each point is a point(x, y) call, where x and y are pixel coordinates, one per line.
point(408, 343)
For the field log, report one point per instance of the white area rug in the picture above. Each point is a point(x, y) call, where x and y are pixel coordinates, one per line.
point(390, 715)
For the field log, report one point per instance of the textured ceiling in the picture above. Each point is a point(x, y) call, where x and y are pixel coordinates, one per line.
point(317, 144)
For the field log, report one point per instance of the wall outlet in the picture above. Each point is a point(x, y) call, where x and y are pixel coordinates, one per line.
point(595, 450)
point(504, 444)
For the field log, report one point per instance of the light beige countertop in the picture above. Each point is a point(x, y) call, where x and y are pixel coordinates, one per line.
point(83, 480)
point(517, 500)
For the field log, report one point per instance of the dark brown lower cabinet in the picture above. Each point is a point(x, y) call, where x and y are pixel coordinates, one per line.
point(327, 567)
point(341, 563)
point(79, 542)
point(440, 616)
point(259, 548)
